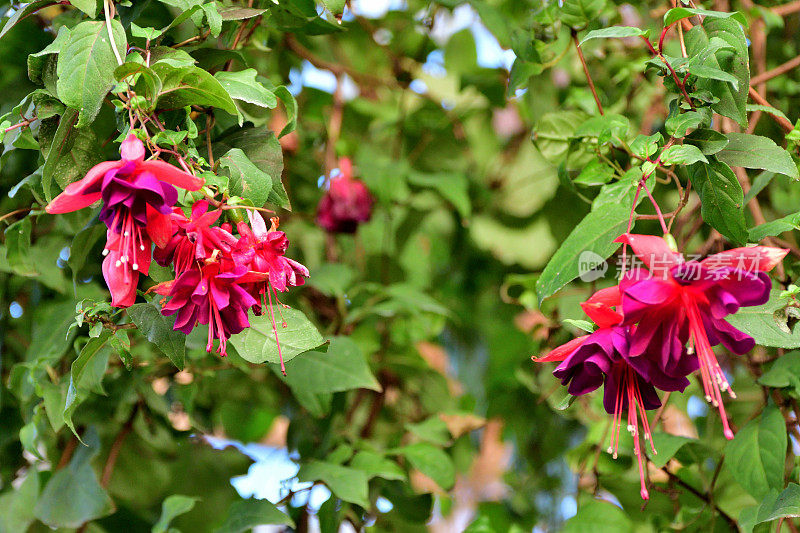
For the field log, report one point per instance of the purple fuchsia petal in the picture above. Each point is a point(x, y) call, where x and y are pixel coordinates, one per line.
point(172, 175)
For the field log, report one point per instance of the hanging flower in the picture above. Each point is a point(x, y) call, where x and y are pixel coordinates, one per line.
point(213, 296)
point(263, 251)
point(603, 358)
point(137, 197)
point(194, 239)
point(673, 302)
point(346, 204)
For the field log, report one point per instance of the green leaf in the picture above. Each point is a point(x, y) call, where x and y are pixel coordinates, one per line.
point(332, 279)
point(734, 61)
point(614, 31)
point(256, 344)
point(767, 109)
point(243, 86)
point(684, 154)
point(755, 151)
point(173, 507)
point(246, 179)
point(668, 446)
point(244, 515)
point(264, 151)
point(24, 12)
point(86, 67)
point(578, 13)
point(140, 77)
point(755, 457)
point(721, 199)
point(16, 507)
point(81, 247)
point(646, 145)
point(678, 13)
point(290, 104)
point(597, 516)
point(774, 505)
point(159, 330)
point(42, 65)
point(431, 461)
point(775, 227)
point(70, 156)
point(18, 245)
point(342, 367)
point(592, 237)
point(348, 484)
point(90, 7)
point(767, 323)
point(147, 33)
point(376, 465)
point(89, 369)
point(679, 125)
point(190, 85)
point(604, 127)
point(711, 73)
point(784, 372)
point(453, 186)
point(239, 13)
point(432, 430)
point(73, 496)
point(707, 140)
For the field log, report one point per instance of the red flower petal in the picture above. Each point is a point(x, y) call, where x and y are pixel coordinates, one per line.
point(653, 251)
point(75, 197)
point(159, 227)
point(172, 175)
point(562, 352)
point(751, 258)
point(121, 281)
point(599, 307)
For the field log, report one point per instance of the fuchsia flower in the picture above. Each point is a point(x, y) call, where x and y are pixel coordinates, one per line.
point(137, 197)
point(603, 358)
point(263, 251)
point(193, 239)
point(346, 204)
point(213, 296)
point(675, 302)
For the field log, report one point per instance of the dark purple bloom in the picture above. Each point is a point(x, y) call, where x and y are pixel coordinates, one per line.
point(347, 203)
point(675, 302)
point(209, 296)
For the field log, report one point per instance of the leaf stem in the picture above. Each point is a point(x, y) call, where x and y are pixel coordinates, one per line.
point(586, 72)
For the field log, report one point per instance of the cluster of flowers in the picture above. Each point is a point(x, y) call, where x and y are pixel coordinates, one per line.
point(658, 326)
point(219, 276)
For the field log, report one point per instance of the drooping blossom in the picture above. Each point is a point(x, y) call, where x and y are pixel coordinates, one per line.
point(264, 251)
point(210, 295)
point(346, 204)
point(673, 302)
point(137, 197)
point(603, 358)
point(194, 238)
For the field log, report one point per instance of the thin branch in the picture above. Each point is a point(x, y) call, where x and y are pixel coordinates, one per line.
point(586, 71)
point(787, 9)
point(775, 72)
point(783, 122)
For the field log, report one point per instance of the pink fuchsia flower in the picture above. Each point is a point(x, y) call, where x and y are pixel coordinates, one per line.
point(674, 302)
point(194, 239)
point(137, 197)
point(213, 296)
point(602, 358)
point(264, 251)
point(346, 204)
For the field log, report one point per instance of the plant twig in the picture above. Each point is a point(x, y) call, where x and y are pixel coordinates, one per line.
point(783, 122)
point(586, 72)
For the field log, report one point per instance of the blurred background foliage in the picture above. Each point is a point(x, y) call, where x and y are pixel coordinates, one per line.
point(439, 103)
